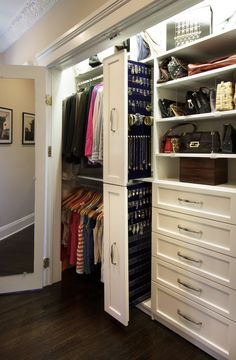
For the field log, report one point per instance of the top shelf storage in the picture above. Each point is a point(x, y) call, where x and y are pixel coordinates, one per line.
point(208, 48)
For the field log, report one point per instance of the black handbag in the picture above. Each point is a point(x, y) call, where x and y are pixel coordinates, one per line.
point(94, 61)
point(169, 108)
point(229, 139)
point(198, 102)
point(170, 142)
point(200, 142)
point(177, 68)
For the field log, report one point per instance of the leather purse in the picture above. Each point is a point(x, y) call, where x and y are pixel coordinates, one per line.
point(224, 96)
point(229, 139)
point(170, 108)
point(200, 142)
point(198, 102)
point(214, 64)
point(170, 142)
point(177, 68)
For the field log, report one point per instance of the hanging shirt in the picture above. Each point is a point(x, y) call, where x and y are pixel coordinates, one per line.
point(89, 132)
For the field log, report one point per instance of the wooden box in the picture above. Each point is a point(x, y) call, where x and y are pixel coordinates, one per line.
point(204, 171)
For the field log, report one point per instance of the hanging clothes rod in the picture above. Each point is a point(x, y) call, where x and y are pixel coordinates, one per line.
point(90, 80)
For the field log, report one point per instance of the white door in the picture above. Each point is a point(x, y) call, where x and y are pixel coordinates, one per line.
point(116, 271)
point(22, 190)
point(115, 165)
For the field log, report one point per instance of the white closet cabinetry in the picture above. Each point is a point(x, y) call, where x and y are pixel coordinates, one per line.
point(116, 252)
point(193, 239)
point(115, 120)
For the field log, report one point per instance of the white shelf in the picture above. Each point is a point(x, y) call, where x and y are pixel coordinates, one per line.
point(213, 115)
point(197, 155)
point(207, 48)
point(226, 73)
point(90, 74)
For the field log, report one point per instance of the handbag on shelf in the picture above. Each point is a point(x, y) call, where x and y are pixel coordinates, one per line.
point(224, 96)
point(229, 139)
point(198, 102)
point(171, 142)
point(163, 71)
point(170, 108)
point(200, 142)
point(143, 48)
point(215, 64)
point(177, 68)
point(94, 61)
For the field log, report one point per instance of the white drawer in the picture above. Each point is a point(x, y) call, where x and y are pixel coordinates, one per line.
point(207, 263)
point(210, 234)
point(216, 297)
point(214, 331)
point(216, 204)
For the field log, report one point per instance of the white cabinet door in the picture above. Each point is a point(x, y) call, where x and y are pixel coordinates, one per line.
point(116, 252)
point(34, 278)
point(115, 164)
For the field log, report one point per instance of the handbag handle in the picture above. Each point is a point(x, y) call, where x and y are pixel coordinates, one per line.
point(179, 125)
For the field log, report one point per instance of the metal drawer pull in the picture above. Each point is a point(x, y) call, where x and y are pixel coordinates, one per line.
point(188, 318)
point(113, 127)
point(189, 230)
point(190, 201)
point(189, 258)
point(188, 286)
point(112, 254)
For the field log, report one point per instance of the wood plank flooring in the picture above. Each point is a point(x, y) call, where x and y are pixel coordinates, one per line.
point(17, 252)
point(66, 321)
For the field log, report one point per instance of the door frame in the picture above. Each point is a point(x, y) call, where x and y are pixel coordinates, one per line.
point(30, 281)
point(113, 22)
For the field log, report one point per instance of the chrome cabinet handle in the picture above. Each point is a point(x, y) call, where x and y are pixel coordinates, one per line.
point(190, 201)
point(112, 254)
point(188, 318)
point(112, 120)
point(189, 258)
point(189, 230)
point(189, 286)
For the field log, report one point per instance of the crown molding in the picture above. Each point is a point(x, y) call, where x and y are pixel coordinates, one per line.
point(24, 20)
point(113, 22)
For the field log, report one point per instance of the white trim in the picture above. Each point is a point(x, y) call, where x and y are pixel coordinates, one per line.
point(15, 226)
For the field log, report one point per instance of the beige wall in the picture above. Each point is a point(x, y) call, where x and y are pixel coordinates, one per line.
point(16, 160)
point(62, 17)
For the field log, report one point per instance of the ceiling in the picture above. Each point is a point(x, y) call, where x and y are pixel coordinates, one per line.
point(18, 16)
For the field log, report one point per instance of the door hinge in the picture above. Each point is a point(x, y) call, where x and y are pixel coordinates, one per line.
point(48, 100)
point(46, 263)
point(49, 151)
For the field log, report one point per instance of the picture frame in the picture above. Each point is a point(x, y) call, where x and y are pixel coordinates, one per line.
point(28, 128)
point(6, 125)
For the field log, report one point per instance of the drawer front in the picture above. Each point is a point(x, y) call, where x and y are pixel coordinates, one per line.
point(210, 203)
point(207, 263)
point(211, 329)
point(207, 293)
point(210, 234)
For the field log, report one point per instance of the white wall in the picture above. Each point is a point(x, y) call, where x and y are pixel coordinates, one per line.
point(16, 160)
point(62, 17)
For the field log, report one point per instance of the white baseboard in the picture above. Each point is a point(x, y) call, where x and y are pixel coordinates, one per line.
point(16, 226)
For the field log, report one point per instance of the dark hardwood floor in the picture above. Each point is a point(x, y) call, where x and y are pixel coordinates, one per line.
point(17, 253)
point(66, 321)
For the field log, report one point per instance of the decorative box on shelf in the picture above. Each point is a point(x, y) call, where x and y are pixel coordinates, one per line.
point(204, 170)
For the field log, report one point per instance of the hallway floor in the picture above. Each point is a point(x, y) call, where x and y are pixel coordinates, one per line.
point(66, 321)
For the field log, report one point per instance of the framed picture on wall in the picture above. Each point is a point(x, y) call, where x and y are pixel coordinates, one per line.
point(28, 125)
point(6, 118)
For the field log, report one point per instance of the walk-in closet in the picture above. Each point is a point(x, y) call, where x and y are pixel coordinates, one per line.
point(134, 197)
